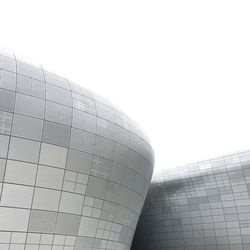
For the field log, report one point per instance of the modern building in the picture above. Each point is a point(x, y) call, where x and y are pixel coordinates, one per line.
point(203, 206)
point(74, 170)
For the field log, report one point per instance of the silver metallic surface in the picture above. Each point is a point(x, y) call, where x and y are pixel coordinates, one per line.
point(202, 206)
point(74, 170)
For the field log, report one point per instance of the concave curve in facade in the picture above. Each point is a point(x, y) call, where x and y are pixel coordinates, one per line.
point(201, 206)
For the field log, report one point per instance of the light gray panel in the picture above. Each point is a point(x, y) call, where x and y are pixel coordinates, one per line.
point(117, 173)
point(84, 242)
point(16, 196)
point(7, 99)
point(46, 199)
point(53, 155)
point(121, 154)
point(5, 122)
point(58, 95)
point(26, 69)
point(80, 90)
point(96, 187)
point(79, 161)
point(7, 80)
point(105, 112)
point(82, 140)
point(101, 167)
point(2, 169)
point(49, 177)
point(122, 120)
point(67, 224)
point(56, 134)
point(123, 136)
point(71, 203)
point(28, 105)
point(84, 121)
point(20, 172)
point(56, 80)
point(136, 143)
point(58, 113)
point(106, 129)
point(84, 103)
point(104, 148)
point(24, 150)
point(129, 179)
point(27, 127)
point(13, 219)
point(88, 227)
point(7, 61)
point(30, 86)
point(41, 221)
point(113, 192)
point(4, 143)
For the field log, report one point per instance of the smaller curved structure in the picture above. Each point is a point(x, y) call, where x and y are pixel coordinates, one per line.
point(202, 206)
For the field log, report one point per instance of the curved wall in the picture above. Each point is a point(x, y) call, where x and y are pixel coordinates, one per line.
point(203, 206)
point(74, 170)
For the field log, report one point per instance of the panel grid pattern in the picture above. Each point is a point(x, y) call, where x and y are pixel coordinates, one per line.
point(66, 158)
point(202, 206)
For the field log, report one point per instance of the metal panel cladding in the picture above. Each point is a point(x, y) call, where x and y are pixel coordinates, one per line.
point(202, 206)
point(74, 170)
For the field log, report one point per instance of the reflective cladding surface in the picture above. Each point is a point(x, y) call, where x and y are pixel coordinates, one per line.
point(74, 171)
point(203, 206)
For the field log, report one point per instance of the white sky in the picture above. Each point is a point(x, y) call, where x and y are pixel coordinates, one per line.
point(181, 69)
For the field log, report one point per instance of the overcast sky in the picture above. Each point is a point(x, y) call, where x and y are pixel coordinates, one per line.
point(181, 69)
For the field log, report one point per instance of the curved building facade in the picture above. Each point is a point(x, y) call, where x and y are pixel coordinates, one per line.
point(74, 170)
point(203, 206)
